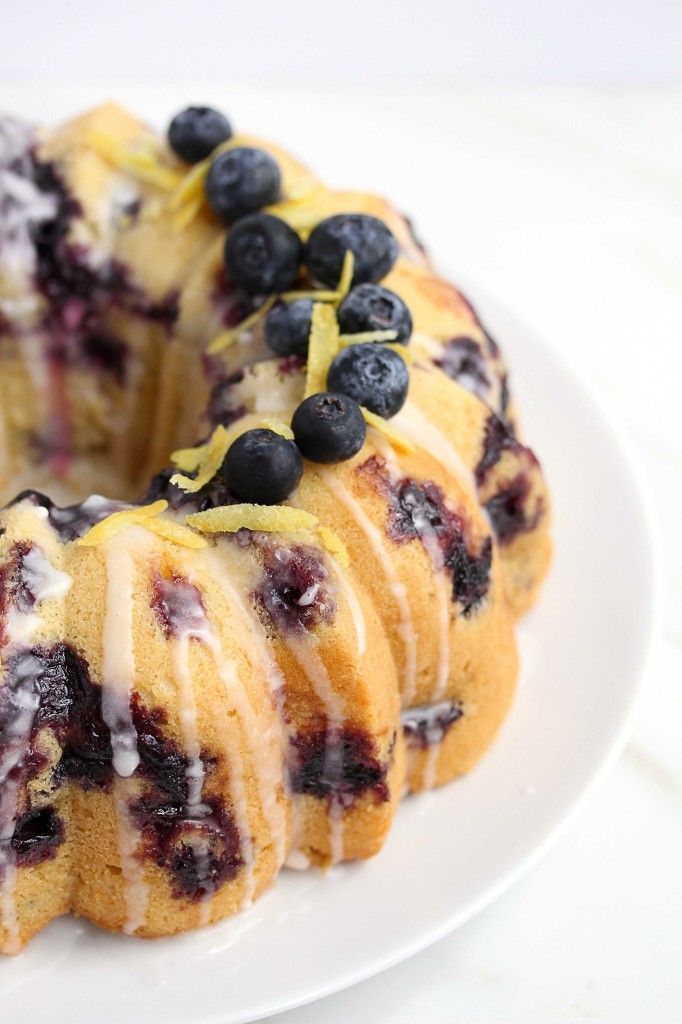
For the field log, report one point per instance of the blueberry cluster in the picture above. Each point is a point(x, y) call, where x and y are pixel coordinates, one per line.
point(262, 249)
point(263, 467)
point(264, 255)
point(329, 427)
point(367, 307)
point(240, 180)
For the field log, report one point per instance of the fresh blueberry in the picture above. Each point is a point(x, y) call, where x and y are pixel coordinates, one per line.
point(371, 242)
point(262, 467)
point(329, 427)
point(372, 376)
point(241, 181)
point(369, 307)
point(262, 254)
point(287, 327)
point(194, 133)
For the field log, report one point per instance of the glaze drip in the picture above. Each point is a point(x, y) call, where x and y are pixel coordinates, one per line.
point(28, 580)
point(428, 724)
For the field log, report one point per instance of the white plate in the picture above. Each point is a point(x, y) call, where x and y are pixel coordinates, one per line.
point(450, 853)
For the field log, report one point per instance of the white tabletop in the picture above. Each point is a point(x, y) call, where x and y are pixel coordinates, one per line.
point(568, 205)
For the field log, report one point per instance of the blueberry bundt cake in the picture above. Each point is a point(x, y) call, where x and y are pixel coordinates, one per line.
point(296, 602)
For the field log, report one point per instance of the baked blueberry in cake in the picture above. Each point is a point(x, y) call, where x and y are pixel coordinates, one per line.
point(269, 521)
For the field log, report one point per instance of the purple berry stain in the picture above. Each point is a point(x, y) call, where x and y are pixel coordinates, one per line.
point(351, 753)
point(37, 837)
point(294, 591)
point(178, 605)
point(463, 361)
point(200, 854)
point(512, 507)
point(417, 510)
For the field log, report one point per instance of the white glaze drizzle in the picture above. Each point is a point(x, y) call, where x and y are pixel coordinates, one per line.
point(227, 671)
point(415, 425)
point(127, 836)
point(431, 756)
point(197, 627)
point(336, 830)
point(296, 860)
point(44, 581)
point(429, 539)
point(431, 345)
point(194, 807)
point(267, 757)
point(433, 549)
point(194, 774)
point(354, 606)
point(397, 589)
point(27, 700)
point(303, 648)
point(295, 857)
point(348, 594)
point(118, 656)
point(264, 391)
point(118, 675)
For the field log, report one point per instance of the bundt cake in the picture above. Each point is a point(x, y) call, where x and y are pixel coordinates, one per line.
point(296, 602)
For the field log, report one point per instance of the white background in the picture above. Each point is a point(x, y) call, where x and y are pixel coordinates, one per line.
point(567, 202)
point(475, 42)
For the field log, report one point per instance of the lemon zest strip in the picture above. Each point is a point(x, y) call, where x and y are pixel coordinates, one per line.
point(334, 545)
point(189, 212)
point(211, 459)
point(266, 518)
point(298, 190)
point(297, 197)
point(403, 351)
point(278, 428)
point(151, 210)
point(120, 520)
point(322, 348)
point(302, 214)
point(400, 443)
point(346, 278)
point(175, 532)
point(366, 336)
point(191, 185)
point(316, 296)
point(227, 338)
point(189, 459)
point(142, 165)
